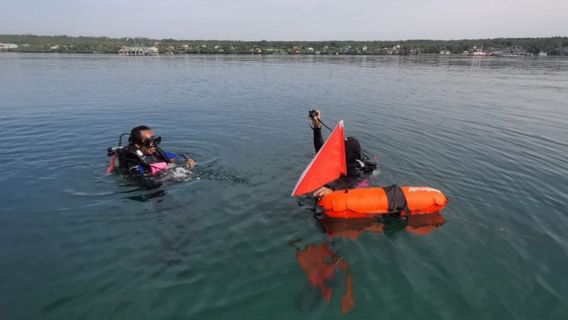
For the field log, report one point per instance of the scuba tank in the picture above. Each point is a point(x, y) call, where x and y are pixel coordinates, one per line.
point(114, 154)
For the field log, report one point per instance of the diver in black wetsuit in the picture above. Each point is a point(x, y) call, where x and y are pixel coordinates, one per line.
point(359, 167)
point(142, 159)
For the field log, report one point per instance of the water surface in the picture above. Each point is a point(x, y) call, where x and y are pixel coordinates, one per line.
point(77, 244)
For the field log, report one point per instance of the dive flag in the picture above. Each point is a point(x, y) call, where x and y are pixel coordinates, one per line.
point(328, 164)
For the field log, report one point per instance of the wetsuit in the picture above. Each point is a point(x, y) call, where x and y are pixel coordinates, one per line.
point(137, 166)
point(355, 175)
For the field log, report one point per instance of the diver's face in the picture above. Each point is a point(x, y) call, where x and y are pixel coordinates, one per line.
point(145, 135)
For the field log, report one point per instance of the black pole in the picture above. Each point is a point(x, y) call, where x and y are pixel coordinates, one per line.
point(315, 204)
point(325, 125)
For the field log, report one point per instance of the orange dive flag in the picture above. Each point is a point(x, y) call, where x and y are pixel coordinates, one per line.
point(328, 164)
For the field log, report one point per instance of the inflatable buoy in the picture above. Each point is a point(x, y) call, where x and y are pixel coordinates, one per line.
point(364, 202)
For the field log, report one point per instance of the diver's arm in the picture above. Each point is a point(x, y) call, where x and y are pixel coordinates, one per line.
point(172, 158)
point(316, 128)
point(318, 139)
point(169, 156)
point(190, 163)
point(323, 191)
point(329, 188)
point(350, 181)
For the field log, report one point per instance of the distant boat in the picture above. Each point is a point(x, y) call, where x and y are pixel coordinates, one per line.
point(482, 53)
point(479, 52)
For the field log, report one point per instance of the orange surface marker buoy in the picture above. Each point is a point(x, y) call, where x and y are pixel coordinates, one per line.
point(364, 202)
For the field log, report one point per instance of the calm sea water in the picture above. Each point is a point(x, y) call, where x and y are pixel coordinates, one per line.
point(78, 244)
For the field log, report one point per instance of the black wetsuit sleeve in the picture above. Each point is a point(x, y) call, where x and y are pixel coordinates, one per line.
point(318, 139)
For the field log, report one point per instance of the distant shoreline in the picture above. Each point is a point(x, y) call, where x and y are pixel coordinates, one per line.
point(549, 46)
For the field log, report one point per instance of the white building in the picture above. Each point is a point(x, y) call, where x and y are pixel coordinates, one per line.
point(8, 46)
point(138, 51)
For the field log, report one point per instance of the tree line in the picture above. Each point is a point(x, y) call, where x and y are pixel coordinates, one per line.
point(66, 44)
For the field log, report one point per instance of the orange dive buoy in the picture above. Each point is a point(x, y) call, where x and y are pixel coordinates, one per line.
point(364, 202)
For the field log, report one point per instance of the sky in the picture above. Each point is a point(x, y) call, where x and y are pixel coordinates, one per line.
point(291, 20)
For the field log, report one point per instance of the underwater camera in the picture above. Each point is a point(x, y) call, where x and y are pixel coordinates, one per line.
point(312, 113)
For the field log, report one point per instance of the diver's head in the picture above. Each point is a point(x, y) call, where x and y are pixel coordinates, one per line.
point(143, 138)
point(352, 150)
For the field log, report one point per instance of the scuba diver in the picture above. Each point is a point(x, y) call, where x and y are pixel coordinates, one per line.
point(359, 165)
point(142, 160)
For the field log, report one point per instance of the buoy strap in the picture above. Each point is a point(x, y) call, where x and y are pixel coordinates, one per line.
point(396, 199)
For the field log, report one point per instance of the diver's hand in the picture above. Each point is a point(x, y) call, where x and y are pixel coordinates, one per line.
point(321, 192)
point(191, 163)
point(316, 119)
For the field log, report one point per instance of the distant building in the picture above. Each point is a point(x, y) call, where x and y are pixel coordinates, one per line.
point(8, 46)
point(138, 51)
point(444, 52)
point(514, 52)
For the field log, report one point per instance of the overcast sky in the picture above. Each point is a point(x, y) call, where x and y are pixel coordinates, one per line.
point(287, 20)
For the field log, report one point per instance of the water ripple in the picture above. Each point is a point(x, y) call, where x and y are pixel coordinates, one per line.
point(76, 243)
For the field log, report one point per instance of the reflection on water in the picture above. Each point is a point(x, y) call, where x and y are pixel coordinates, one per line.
point(419, 224)
point(147, 195)
point(321, 263)
point(220, 174)
point(144, 191)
